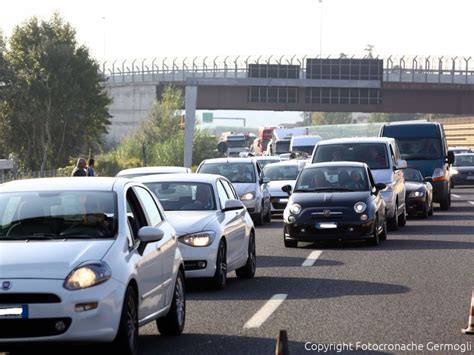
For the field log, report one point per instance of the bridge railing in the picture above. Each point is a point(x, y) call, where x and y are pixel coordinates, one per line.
point(417, 69)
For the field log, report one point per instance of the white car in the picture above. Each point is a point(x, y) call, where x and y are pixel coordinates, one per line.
point(247, 177)
point(152, 170)
point(281, 174)
point(264, 160)
point(86, 260)
point(215, 231)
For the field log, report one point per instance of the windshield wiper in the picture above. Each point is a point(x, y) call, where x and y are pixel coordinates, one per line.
point(83, 236)
point(35, 236)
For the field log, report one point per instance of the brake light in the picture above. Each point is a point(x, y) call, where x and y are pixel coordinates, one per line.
point(438, 175)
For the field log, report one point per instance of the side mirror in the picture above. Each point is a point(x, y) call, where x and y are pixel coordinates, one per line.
point(287, 189)
point(428, 179)
point(401, 164)
point(450, 158)
point(232, 205)
point(264, 180)
point(380, 186)
point(150, 234)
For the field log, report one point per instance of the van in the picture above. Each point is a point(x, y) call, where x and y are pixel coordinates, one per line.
point(304, 144)
point(423, 145)
point(383, 158)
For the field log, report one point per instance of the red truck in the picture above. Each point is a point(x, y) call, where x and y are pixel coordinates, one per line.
point(264, 136)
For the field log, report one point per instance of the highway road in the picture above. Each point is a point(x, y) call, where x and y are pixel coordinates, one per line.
point(413, 290)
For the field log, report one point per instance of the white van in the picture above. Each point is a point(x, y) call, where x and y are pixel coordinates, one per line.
point(304, 143)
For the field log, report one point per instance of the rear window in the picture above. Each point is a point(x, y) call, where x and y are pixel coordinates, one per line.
point(411, 131)
point(373, 154)
point(243, 173)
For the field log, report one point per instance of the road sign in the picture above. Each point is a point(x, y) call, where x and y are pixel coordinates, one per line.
point(207, 117)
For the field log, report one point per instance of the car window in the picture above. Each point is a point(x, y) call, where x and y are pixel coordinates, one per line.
point(341, 178)
point(229, 189)
point(149, 205)
point(281, 172)
point(223, 197)
point(235, 172)
point(373, 154)
point(135, 217)
point(185, 196)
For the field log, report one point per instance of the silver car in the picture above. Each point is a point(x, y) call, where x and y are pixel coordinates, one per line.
point(215, 233)
point(152, 170)
point(249, 181)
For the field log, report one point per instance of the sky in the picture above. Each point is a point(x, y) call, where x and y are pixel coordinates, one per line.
point(165, 28)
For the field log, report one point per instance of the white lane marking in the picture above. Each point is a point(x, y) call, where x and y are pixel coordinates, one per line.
point(311, 259)
point(457, 196)
point(266, 311)
point(471, 202)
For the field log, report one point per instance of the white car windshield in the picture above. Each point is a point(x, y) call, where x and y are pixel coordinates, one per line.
point(57, 215)
point(281, 172)
point(236, 172)
point(337, 178)
point(184, 196)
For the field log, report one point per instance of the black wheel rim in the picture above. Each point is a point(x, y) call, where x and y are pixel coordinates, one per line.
point(132, 321)
point(252, 254)
point(180, 301)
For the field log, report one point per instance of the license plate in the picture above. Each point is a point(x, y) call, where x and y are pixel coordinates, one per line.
point(469, 177)
point(14, 312)
point(285, 200)
point(326, 225)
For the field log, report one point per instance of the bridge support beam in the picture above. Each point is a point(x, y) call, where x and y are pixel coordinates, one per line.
point(190, 103)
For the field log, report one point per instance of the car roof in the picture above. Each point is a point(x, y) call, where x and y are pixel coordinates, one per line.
point(415, 122)
point(65, 184)
point(267, 157)
point(465, 154)
point(357, 140)
point(288, 163)
point(352, 164)
point(153, 169)
point(229, 160)
point(203, 178)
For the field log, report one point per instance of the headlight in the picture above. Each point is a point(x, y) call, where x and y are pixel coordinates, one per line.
point(201, 239)
point(360, 207)
point(438, 175)
point(454, 171)
point(295, 209)
point(88, 275)
point(416, 194)
point(248, 196)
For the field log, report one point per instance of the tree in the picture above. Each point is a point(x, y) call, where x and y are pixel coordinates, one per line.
point(56, 105)
point(392, 117)
point(325, 118)
point(369, 49)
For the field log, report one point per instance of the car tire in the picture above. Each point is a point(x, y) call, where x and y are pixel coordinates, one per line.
point(126, 340)
point(375, 240)
point(248, 270)
point(258, 218)
point(402, 219)
point(444, 204)
point(268, 216)
point(393, 222)
point(173, 322)
point(383, 234)
point(426, 211)
point(431, 211)
point(220, 277)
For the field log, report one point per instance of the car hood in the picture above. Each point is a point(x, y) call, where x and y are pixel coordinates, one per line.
point(185, 222)
point(329, 199)
point(242, 189)
point(413, 186)
point(53, 259)
point(382, 175)
point(274, 187)
point(426, 167)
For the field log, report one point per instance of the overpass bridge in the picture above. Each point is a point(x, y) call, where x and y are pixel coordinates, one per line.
point(392, 84)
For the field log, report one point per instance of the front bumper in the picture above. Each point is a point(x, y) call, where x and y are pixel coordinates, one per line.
point(463, 179)
point(96, 325)
point(278, 203)
point(346, 230)
point(194, 255)
point(390, 203)
point(415, 205)
point(251, 205)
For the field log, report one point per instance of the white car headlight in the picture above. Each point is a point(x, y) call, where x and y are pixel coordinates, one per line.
point(295, 209)
point(88, 275)
point(454, 171)
point(360, 207)
point(416, 194)
point(200, 239)
point(248, 196)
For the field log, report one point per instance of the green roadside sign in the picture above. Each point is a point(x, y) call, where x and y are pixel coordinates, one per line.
point(207, 117)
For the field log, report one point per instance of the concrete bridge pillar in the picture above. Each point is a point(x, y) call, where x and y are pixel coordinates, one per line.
point(190, 103)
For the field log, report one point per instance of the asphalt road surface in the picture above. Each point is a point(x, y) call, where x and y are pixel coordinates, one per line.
point(413, 290)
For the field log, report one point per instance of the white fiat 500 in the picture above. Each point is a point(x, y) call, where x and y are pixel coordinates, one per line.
point(86, 259)
point(215, 232)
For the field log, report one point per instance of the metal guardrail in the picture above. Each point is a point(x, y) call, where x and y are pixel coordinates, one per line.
point(417, 69)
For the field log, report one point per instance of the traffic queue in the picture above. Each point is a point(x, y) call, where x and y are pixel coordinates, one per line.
point(89, 249)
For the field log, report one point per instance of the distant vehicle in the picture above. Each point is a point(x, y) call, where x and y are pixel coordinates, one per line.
point(281, 140)
point(278, 147)
point(462, 171)
point(264, 136)
point(152, 170)
point(281, 174)
point(295, 155)
point(460, 150)
point(215, 232)
point(334, 201)
point(87, 260)
point(419, 198)
point(264, 160)
point(232, 144)
point(247, 177)
point(304, 144)
point(383, 158)
point(423, 145)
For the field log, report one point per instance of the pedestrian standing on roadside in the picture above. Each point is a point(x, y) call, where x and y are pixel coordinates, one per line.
point(81, 168)
point(90, 168)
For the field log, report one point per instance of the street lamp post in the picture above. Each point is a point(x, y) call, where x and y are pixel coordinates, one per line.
point(321, 29)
